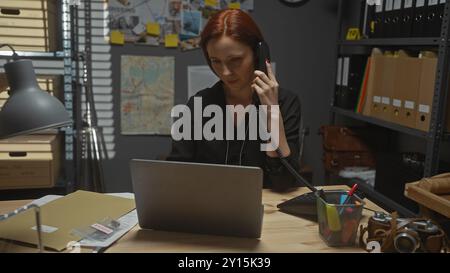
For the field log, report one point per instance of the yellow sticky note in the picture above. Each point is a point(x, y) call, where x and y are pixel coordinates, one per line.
point(372, 26)
point(235, 5)
point(153, 29)
point(211, 3)
point(117, 37)
point(334, 222)
point(353, 34)
point(171, 40)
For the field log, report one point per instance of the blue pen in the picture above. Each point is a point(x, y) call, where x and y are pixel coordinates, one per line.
point(349, 195)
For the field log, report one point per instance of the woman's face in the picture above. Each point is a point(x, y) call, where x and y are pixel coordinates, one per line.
point(232, 61)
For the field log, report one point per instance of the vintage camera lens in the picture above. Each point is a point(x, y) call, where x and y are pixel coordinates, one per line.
point(405, 243)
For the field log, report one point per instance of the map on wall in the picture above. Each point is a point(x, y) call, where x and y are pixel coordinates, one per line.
point(147, 94)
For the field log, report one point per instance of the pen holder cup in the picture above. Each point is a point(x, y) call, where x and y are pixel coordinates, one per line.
point(338, 222)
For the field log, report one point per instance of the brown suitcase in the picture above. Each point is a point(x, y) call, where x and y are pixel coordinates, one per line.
point(343, 147)
point(338, 138)
point(336, 161)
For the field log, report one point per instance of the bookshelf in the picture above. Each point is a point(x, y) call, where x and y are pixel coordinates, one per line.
point(436, 133)
point(432, 41)
point(55, 60)
point(379, 122)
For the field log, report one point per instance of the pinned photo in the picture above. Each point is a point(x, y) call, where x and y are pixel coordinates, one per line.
point(190, 44)
point(195, 4)
point(174, 12)
point(191, 22)
point(148, 40)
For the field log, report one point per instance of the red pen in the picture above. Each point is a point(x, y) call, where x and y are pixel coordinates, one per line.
point(349, 195)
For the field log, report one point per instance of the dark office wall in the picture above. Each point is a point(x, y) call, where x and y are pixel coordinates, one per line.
point(302, 42)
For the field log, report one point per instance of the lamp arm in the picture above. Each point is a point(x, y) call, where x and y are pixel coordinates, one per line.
point(37, 211)
point(3, 81)
point(15, 56)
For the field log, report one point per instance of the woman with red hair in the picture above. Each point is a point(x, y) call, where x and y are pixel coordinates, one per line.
point(229, 42)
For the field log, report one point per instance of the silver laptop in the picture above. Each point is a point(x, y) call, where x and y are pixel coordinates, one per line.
point(198, 198)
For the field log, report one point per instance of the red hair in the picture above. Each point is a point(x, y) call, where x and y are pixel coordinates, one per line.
point(233, 23)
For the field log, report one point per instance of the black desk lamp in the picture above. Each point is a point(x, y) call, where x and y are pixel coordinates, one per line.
point(28, 110)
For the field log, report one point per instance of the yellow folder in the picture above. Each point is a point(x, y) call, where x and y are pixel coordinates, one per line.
point(61, 216)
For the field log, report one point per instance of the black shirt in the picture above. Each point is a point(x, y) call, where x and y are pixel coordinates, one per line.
point(244, 152)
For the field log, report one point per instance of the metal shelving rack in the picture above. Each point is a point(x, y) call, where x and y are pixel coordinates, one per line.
point(379, 122)
point(436, 132)
point(392, 41)
point(65, 55)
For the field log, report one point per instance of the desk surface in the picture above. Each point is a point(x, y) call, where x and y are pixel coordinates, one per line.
point(281, 233)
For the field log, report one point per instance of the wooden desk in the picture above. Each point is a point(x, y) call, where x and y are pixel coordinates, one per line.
point(281, 233)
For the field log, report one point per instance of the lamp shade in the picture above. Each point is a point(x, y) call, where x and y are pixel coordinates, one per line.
point(28, 108)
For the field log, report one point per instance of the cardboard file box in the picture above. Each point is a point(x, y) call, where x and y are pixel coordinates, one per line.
point(387, 87)
point(372, 105)
point(426, 90)
point(380, 85)
point(35, 28)
point(29, 162)
point(406, 88)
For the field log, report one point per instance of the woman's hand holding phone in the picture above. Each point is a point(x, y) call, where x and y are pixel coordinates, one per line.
point(266, 86)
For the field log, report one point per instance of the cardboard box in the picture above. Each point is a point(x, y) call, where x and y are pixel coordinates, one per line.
point(406, 89)
point(31, 161)
point(387, 86)
point(426, 90)
point(380, 85)
point(372, 105)
point(34, 29)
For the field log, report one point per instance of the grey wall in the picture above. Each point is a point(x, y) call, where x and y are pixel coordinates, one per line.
point(302, 42)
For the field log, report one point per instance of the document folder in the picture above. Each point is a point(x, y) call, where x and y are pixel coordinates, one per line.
point(61, 216)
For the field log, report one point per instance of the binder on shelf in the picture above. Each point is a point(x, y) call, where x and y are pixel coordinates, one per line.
point(440, 17)
point(397, 10)
point(406, 89)
point(435, 13)
point(428, 62)
point(378, 20)
point(366, 19)
point(337, 91)
point(344, 94)
point(407, 18)
point(418, 27)
point(352, 76)
point(388, 25)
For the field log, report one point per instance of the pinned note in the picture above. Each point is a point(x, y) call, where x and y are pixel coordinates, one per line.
point(153, 29)
point(171, 40)
point(234, 5)
point(211, 3)
point(117, 37)
point(353, 34)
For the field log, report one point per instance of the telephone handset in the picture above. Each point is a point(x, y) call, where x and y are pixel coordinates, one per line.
point(262, 53)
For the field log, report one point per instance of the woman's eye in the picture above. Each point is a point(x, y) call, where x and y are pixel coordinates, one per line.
point(235, 62)
point(215, 61)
